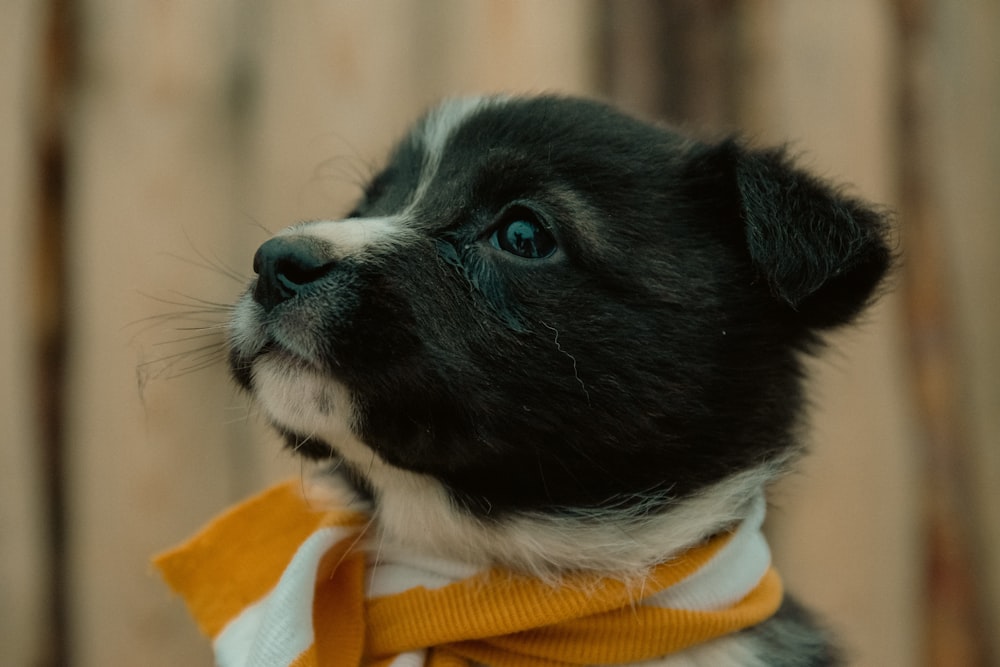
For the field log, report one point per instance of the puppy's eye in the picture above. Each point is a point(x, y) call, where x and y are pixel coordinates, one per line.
point(521, 233)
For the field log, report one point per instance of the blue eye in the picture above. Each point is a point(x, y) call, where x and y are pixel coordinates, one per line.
point(521, 233)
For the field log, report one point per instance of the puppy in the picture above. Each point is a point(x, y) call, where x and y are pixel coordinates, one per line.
point(553, 338)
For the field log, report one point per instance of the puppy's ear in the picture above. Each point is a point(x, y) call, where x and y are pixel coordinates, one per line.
point(821, 252)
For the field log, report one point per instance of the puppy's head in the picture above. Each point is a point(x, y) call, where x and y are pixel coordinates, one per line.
point(544, 310)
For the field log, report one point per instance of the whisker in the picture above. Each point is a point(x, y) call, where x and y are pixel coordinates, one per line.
point(214, 327)
point(191, 335)
point(237, 420)
point(212, 263)
point(187, 301)
point(207, 332)
point(215, 266)
point(193, 316)
point(354, 169)
point(254, 222)
point(183, 354)
point(197, 313)
point(194, 368)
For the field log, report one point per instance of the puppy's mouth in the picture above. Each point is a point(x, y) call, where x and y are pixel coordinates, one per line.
point(276, 351)
point(296, 391)
point(255, 338)
point(310, 411)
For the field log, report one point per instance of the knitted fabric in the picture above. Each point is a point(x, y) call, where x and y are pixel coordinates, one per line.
point(276, 582)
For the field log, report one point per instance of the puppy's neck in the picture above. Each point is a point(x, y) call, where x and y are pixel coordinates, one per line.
point(414, 514)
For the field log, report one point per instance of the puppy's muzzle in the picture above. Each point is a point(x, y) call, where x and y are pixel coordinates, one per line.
point(286, 266)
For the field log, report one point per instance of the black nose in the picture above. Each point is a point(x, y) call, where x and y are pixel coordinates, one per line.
point(285, 265)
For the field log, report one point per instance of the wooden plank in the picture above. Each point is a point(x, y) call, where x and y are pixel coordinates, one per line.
point(673, 60)
point(518, 46)
point(954, 158)
point(152, 456)
point(24, 613)
point(844, 528)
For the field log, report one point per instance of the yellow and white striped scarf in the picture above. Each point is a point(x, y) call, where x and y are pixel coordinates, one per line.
point(275, 582)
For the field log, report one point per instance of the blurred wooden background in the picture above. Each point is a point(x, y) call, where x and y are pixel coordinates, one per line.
point(143, 142)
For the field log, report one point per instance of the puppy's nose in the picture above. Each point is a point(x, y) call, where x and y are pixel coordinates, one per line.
point(285, 265)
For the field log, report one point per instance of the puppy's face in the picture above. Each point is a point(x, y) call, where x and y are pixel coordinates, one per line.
point(542, 307)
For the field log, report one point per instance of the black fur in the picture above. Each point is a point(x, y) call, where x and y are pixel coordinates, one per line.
point(657, 352)
point(793, 638)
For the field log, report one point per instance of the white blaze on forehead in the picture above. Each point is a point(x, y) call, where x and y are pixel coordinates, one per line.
point(439, 126)
point(354, 235)
point(442, 121)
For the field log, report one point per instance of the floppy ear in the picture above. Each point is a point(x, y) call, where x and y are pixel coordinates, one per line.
point(821, 252)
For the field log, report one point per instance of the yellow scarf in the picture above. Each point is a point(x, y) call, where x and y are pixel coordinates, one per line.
point(276, 582)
